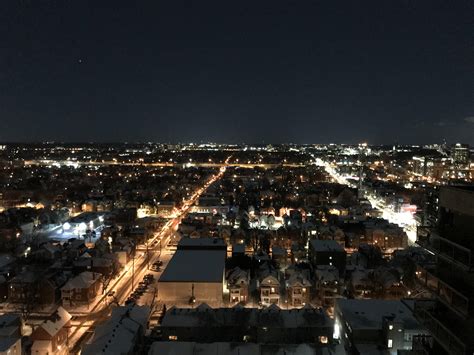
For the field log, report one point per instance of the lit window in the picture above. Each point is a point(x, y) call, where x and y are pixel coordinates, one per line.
point(390, 327)
point(173, 337)
point(390, 343)
point(323, 339)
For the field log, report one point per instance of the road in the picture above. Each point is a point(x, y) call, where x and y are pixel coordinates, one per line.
point(405, 220)
point(136, 269)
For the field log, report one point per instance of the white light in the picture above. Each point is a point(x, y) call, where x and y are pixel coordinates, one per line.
point(337, 330)
point(66, 226)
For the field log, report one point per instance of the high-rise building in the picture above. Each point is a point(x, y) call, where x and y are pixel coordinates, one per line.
point(460, 154)
point(449, 315)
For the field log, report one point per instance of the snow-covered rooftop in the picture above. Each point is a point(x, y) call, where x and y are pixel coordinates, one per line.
point(271, 317)
point(119, 333)
point(83, 280)
point(57, 321)
point(369, 314)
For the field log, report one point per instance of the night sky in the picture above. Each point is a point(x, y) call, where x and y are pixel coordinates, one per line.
point(229, 71)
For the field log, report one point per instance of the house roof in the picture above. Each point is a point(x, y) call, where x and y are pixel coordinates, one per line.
point(58, 321)
point(118, 334)
point(299, 279)
point(83, 280)
point(93, 262)
point(237, 274)
point(9, 319)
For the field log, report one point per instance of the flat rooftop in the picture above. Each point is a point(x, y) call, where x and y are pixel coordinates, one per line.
point(369, 314)
point(202, 243)
point(195, 266)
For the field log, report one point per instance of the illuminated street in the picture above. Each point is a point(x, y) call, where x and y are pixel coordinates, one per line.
point(136, 269)
point(406, 220)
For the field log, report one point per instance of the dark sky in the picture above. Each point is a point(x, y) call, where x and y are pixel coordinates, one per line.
point(237, 71)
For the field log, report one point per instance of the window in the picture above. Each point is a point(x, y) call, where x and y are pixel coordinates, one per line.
point(390, 343)
point(323, 339)
point(173, 337)
point(390, 327)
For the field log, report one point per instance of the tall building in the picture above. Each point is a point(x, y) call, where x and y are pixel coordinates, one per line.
point(449, 315)
point(460, 154)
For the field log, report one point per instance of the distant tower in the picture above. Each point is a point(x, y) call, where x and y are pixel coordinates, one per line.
point(460, 156)
point(360, 162)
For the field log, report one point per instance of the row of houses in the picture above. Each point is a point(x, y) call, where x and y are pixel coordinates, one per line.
point(359, 327)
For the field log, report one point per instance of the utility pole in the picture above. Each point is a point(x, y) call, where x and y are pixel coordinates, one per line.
point(133, 269)
point(160, 246)
point(147, 258)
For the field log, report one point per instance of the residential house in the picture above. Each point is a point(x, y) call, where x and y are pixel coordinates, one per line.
point(360, 283)
point(23, 288)
point(269, 287)
point(81, 289)
point(51, 336)
point(49, 287)
point(270, 325)
point(298, 287)
point(75, 248)
point(238, 284)
point(327, 284)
